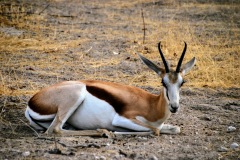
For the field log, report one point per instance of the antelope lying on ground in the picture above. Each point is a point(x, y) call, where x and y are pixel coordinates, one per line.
point(93, 107)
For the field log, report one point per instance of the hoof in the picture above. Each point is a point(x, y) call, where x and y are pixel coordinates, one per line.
point(156, 132)
point(106, 133)
point(169, 129)
point(175, 130)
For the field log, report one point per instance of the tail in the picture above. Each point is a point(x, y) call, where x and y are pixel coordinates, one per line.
point(38, 122)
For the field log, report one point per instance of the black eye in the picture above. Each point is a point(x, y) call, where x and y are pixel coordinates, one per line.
point(182, 83)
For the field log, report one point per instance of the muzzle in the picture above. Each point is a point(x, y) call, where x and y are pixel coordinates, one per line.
point(174, 108)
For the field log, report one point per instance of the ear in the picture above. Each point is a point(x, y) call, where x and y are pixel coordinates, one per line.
point(188, 66)
point(151, 65)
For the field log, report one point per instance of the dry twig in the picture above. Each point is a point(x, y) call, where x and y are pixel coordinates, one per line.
point(144, 28)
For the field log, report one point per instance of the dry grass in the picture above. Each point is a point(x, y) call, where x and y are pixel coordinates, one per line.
point(40, 50)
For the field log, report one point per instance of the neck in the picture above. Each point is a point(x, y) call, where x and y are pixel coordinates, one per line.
point(160, 110)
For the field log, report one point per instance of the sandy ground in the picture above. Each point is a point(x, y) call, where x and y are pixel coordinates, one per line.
point(205, 113)
point(204, 118)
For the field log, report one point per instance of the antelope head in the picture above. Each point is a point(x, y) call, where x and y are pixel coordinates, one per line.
point(172, 80)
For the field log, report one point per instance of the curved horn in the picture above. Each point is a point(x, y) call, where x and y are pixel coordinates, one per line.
point(181, 58)
point(163, 58)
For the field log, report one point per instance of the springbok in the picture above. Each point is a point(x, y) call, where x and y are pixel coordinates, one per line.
point(95, 107)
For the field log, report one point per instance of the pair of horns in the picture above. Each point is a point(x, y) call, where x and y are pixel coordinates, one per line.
point(179, 62)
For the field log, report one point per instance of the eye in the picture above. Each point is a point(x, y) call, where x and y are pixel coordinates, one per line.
point(182, 83)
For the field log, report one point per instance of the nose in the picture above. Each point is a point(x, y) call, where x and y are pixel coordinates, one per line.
point(174, 108)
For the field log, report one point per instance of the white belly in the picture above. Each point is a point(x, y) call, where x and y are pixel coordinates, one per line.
point(93, 113)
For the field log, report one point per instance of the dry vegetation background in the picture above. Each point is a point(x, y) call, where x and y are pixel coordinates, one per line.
point(34, 36)
point(44, 42)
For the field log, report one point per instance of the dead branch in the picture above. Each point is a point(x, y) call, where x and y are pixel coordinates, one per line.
point(144, 28)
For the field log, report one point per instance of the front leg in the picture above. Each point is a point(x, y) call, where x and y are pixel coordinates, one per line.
point(133, 124)
point(155, 130)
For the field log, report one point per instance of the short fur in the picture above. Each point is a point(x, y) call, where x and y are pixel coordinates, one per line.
point(93, 106)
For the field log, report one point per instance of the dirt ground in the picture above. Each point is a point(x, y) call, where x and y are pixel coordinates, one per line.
point(99, 49)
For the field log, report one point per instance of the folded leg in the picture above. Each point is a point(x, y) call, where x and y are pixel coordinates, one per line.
point(120, 121)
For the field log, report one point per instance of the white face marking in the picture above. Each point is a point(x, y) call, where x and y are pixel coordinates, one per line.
point(172, 83)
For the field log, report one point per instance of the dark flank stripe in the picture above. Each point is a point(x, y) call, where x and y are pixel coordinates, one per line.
point(105, 95)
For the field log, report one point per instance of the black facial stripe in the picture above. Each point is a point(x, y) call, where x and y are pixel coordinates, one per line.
point(167, 94)
point(183, 82)
point(165, 86)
